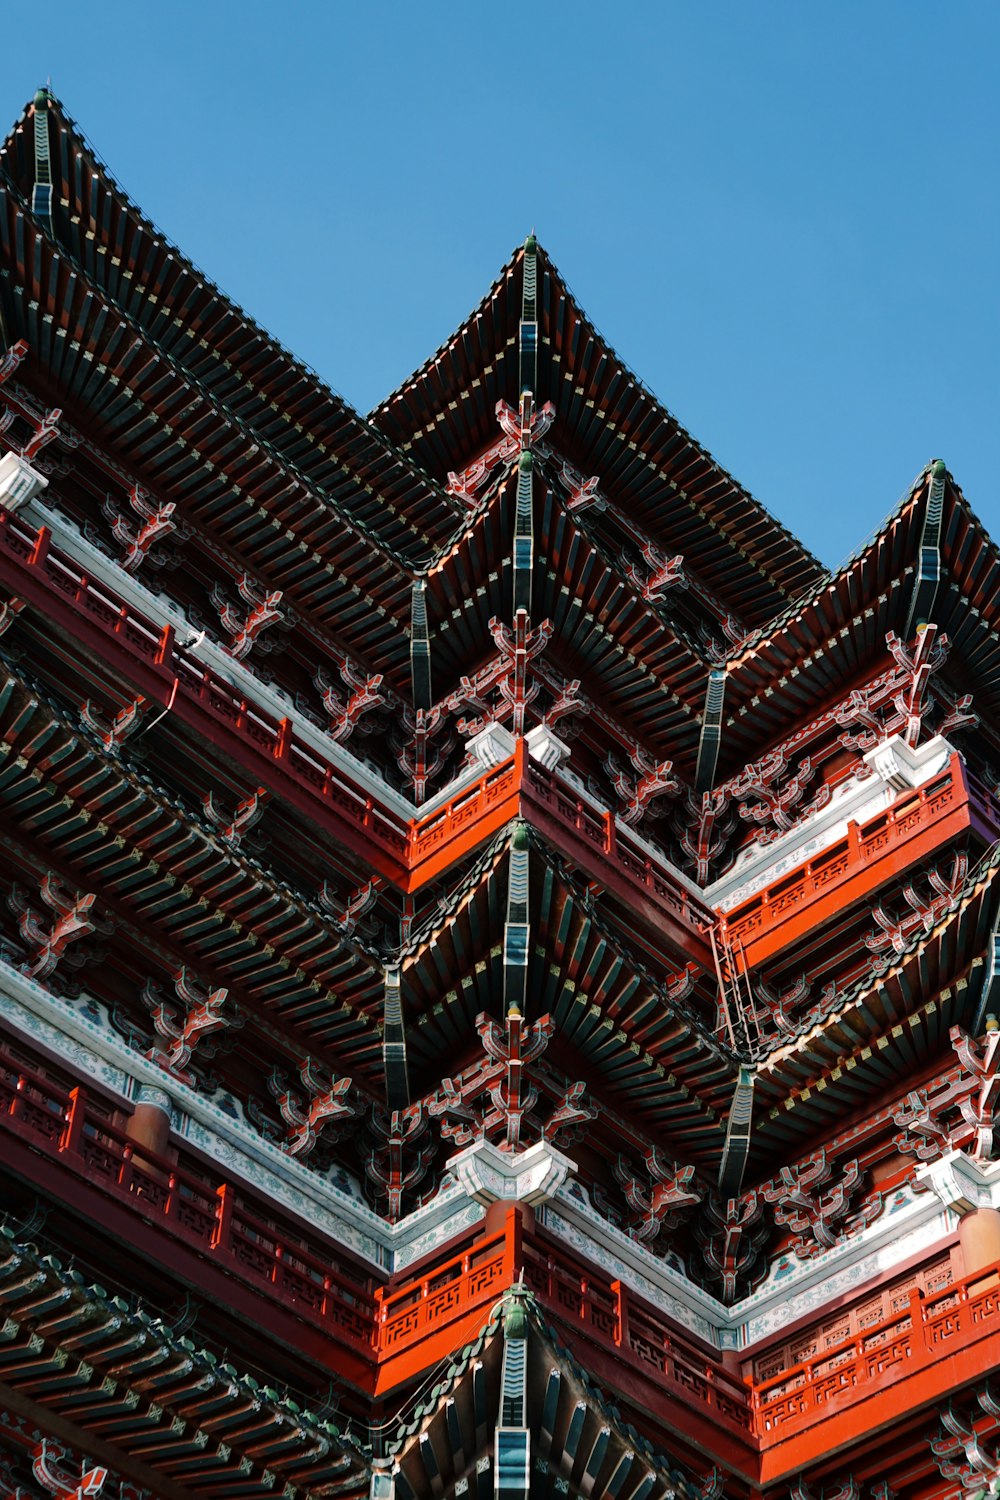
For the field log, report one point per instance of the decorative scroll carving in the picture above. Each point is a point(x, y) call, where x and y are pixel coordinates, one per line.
point(894, 932)
point(49, 1469)
point(899, 702)
point(346, 914)
point(581, 494)
point(364, 693)
point(567, 700)
point(663, 573)
point(655, 1204)
point(526, 425)
point(819, 1210)
point(964, 1457)
point(400, 1156)
point(46, 431)
point(961, 1113)
point(703, 828)
point(713, 1486)
point(203, 1013)
point(775, 794)
point(781, 1006)
point(732, 1237)
point(11, 359)
point(980, 1061)
point(927, 655)
point(493, 1102)
point(157, 523)
point(654, 779)
point(517, 647)
point(416, 758)
point(842, 1489)
point(234, 826)
point(467, 482)
point(324, 1104)
point(244, 629)
point(48, 939)
point(9, 611)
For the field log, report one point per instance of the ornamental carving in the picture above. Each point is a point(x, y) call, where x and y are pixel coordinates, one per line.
point(363, 691)
point(245, 627)
point(136, 541)
point(818, 1207)
point(732, 1237)
point(656, 1194)
point(654, 779)
point(48, 938)
point(309, 1112)
point(494, 1102)
point(969, 1460)
point(186, 1028)
point(771, 794)
point(399, 1156)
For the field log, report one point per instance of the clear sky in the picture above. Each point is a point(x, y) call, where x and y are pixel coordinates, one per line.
point(784, 216)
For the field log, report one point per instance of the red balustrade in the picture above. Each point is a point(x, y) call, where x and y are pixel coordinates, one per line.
point(166, 674)
point(937, 1339)
point(910, 1361)
point(212, 1216)
point(868, 856)
point(605, 1311)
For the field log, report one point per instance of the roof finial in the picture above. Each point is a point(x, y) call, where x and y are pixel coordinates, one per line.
point(938, 468)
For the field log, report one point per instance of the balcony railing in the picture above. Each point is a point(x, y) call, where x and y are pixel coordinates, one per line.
point(947, 1337)
point(869, 855)
point(212, 1216)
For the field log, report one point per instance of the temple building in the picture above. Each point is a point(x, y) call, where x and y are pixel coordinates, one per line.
point(499, 947)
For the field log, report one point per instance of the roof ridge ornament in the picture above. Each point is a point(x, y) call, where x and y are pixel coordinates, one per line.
point(41, 193)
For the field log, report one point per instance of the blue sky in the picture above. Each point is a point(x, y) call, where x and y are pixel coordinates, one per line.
point(783, 216)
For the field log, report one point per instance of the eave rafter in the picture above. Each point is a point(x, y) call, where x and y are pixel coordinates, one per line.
point(214, 340)
point(884, 1029)
point(162, 874)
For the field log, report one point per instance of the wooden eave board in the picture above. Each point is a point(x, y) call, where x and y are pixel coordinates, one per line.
point(179, 892)
point(216, 341)
point(444, 414)
point(891, 1025)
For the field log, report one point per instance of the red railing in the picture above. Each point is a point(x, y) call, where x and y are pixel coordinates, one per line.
point(618, 850)
point(951, 1322)
point(477, 1276)
point(605, 1311)
point(405, 1328)
point(167, 673)
point(212, 1216)
point(866, 857)
point(408, 853)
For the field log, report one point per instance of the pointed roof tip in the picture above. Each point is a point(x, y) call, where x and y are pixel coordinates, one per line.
point(43, 97)
point(531, 243)
point(938, 468)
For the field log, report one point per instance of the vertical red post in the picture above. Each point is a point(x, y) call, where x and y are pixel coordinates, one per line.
point(165, 653)
point(222, 1233)
point(284, 739)
point(75, 1116)
point(621, 1314)
point(40, 550)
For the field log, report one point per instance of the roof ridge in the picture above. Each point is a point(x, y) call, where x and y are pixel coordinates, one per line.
point(683, 431)
point(213, 288)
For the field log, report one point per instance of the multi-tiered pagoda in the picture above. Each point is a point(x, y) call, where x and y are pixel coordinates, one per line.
point(499, 948)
